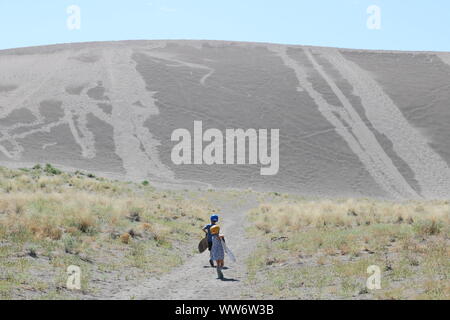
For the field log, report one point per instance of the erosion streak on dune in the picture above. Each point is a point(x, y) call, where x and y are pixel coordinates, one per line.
point(43, 128)
point(35, 78)
point(431, 171)
point(180, 63)
point(350, 126)
point(49, 88)
point(120, 86)
point(132, 106)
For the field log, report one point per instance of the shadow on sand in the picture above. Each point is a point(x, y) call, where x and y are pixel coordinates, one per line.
point(209, 267)
point(228, 279)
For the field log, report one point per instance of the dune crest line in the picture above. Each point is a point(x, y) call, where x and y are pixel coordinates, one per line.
point(350, 126)
point(430, 170)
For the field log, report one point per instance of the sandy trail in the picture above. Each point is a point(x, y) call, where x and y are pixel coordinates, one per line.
point(196, 279)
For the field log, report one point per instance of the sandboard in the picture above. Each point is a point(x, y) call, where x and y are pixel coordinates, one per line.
point(203, 245)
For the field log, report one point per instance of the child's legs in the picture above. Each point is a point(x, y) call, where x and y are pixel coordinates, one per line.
point(220, 263)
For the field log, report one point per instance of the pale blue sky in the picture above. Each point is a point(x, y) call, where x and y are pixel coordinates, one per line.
point(405, 24)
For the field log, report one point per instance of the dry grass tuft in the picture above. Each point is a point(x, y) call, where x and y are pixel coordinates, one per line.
point(125, 238)
point(296, 215)
point(330, 243)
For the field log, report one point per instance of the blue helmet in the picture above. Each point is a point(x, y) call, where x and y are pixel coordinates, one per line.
point(214, 218)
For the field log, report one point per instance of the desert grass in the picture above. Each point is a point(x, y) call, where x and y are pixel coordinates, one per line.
point(322, 249)
point(50, 220)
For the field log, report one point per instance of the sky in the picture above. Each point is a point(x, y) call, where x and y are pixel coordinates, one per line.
point(418, 25)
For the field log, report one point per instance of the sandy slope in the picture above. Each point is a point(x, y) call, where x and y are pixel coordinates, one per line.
point(352, 122)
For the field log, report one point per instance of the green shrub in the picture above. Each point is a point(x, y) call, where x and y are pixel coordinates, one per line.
point(70, 243)
point(51, 170)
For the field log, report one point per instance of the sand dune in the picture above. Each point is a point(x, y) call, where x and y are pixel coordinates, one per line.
point(352, 122)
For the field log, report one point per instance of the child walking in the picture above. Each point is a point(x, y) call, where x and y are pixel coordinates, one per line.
point(217, 249)
point(207, 230)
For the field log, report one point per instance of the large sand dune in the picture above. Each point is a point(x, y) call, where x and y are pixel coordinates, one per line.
point(352, 122)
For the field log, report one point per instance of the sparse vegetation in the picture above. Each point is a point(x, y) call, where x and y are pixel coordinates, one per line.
point(322, 248)
point(51, 170)
point(120, 232)
point(51, 219)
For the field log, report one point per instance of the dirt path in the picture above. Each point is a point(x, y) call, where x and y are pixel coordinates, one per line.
point(196, 279)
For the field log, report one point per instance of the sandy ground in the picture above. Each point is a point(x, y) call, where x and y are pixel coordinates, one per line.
point(196, 279)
